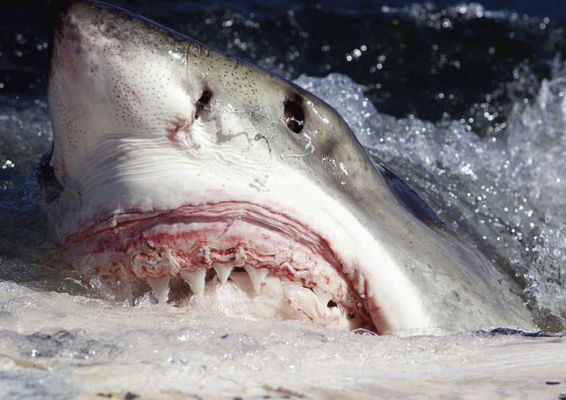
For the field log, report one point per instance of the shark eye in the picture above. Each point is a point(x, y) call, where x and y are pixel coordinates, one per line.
point(294, 116)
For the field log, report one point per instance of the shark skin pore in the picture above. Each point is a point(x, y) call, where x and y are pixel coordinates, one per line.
point(184, 171)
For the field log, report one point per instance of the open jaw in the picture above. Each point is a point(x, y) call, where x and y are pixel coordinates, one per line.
point(203, 179)
point(237, 257)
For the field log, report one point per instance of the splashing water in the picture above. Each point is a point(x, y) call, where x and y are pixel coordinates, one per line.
point(506, 192)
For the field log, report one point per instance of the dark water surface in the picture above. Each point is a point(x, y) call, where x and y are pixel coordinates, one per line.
point(414, 58)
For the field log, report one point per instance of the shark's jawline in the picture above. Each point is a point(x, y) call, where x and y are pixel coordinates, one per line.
point(135, 247)
point(183, 171)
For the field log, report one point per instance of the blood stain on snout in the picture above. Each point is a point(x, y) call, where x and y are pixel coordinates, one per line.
point(180, 133)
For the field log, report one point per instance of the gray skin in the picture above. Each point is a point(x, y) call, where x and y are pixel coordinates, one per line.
point(458, 287)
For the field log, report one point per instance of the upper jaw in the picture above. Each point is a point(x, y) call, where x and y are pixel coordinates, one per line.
point(287, 263)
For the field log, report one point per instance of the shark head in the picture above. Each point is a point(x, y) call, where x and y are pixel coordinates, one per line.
point(186, 170)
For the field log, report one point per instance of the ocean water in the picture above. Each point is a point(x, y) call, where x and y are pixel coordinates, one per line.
point(464, 102)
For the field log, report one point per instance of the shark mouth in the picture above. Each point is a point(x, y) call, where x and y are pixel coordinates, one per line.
point(239, 258)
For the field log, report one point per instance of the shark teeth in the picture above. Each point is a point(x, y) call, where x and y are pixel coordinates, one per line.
point(323, 297)
point(160, 287)
point(257, 276)
point(223, 272)
point(314, 301)
point(195, 280)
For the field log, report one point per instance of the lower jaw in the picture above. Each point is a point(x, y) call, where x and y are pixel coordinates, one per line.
point(241, 266)
point(276, 299)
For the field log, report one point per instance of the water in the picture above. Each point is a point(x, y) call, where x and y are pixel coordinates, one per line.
point(468, 107)
point(66, 345)
point(506, 192)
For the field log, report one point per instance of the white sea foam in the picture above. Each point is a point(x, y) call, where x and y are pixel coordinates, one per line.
point(53, 345)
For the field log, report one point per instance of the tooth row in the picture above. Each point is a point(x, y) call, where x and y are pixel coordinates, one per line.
point(196, 280)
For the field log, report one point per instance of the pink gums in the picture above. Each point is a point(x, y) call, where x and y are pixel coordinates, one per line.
point(132, 247)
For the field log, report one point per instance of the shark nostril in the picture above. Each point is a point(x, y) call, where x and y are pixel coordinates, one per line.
point(203, 102)
point(294, 116)
point(205, 97)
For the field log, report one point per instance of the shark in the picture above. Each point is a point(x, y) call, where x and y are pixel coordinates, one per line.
point(186, 174)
